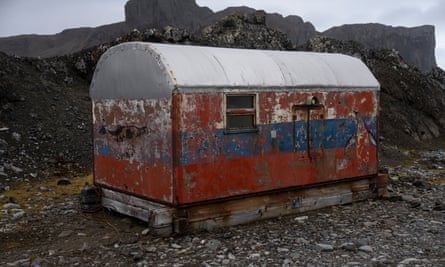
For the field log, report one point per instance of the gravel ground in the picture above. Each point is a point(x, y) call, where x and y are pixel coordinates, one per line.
point(405, 228)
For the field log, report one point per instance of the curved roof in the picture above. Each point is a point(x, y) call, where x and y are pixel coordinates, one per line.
point(150, 70)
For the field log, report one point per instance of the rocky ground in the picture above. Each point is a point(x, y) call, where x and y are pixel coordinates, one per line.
point(46, 158)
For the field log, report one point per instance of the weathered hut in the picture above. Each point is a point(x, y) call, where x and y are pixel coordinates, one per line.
point(190, 137)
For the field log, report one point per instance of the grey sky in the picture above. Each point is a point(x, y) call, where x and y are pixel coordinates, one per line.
point(52, 16)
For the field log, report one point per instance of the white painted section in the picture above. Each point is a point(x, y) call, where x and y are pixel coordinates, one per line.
point(280, 114)
point(151, 70)
point(332, 113)
point(273, 134)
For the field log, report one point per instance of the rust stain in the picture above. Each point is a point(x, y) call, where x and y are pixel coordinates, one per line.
point(264, 177)
point(188, 182)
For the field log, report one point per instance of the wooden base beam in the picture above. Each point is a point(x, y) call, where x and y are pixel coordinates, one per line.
point(165, 220)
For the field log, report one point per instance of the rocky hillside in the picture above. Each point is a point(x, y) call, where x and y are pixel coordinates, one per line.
point(44, 118)
point(416, 44)
point(45, 108)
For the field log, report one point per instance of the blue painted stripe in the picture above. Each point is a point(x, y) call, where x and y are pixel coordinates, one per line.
point(290, 137)
point(204, 146)
point(153, 152)
point(103, 150)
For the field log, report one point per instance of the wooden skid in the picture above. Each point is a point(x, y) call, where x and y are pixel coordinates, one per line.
point(164, 220)
point(158, 216)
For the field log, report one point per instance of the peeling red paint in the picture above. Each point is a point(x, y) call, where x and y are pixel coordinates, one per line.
point(146, 180)
point(223, 176)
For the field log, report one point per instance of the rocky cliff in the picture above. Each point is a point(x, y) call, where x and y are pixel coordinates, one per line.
point(416, 45)
point(297, 30)
point(185, 14)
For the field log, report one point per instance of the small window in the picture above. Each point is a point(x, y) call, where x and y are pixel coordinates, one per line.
point(240, 113)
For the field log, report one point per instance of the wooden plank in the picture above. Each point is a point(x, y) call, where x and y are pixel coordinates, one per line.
point(121, 207)
point(135, 201)
point(159, 217)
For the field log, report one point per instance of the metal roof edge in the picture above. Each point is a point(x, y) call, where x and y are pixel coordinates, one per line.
point(202, 89)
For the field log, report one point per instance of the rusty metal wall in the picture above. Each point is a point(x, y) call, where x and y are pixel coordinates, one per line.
point(133, 146)
point(141, 150)
point(215, 164)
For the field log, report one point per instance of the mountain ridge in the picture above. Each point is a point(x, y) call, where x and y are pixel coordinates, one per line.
point(415, 44)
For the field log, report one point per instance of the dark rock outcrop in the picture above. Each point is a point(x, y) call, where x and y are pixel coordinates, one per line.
point(185, 14)
point(298, 31)
point(294, 27)
point(416, 45)
point(245, 30)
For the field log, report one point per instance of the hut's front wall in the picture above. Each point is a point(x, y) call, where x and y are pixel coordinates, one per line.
point(292, 144)
point(133, 146)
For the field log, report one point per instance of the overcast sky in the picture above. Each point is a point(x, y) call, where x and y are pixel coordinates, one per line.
point(52, 16)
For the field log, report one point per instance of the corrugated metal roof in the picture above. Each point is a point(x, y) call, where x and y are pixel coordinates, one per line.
point(151, 70)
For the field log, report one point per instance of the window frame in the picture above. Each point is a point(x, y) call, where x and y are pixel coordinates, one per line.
point(242, 111)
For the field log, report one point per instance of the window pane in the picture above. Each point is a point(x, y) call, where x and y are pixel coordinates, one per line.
point(240, 122)
point(240, 101)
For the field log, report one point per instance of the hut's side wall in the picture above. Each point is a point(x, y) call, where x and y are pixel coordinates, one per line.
point(289, 147)
point(133, 146)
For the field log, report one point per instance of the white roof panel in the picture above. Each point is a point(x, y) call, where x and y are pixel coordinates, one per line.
point(151, 70)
